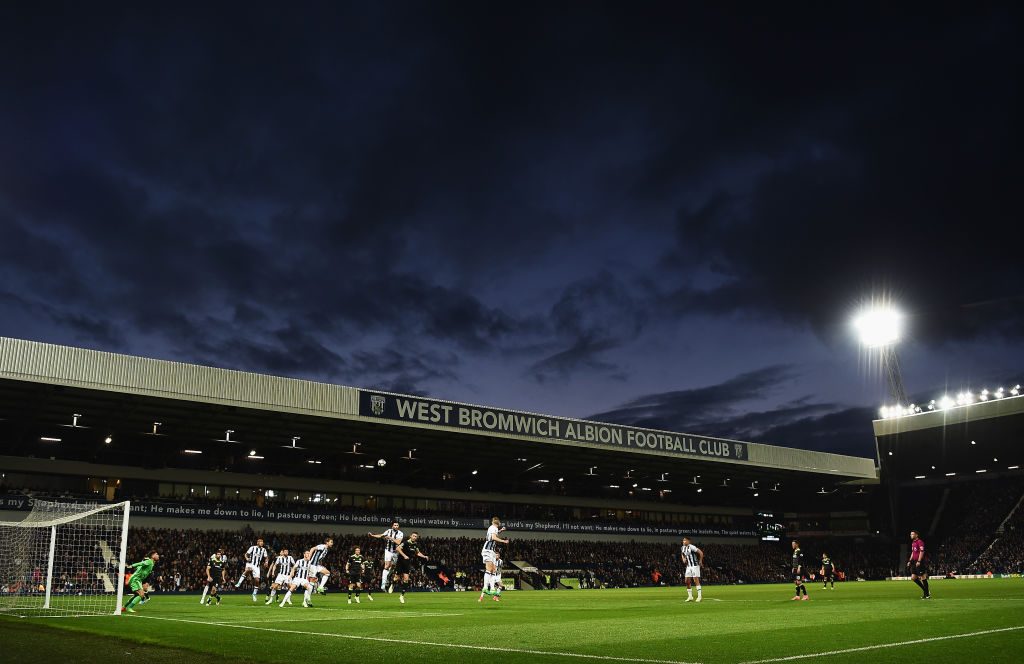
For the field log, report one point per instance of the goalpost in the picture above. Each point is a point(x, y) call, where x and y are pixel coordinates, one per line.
point(64, 559)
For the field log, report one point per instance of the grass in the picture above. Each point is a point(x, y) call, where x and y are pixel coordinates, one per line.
point(732, 625)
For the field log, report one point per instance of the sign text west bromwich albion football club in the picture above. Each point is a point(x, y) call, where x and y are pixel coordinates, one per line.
point(478, 418)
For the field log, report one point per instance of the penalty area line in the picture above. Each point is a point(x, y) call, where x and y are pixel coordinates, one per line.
point(881, 646)
point(460, 646)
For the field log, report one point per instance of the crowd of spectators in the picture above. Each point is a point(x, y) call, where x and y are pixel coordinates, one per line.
point(972, 513)
point(1006, 555)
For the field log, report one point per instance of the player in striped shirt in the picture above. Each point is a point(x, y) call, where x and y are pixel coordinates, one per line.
point(255, 559)
point(693, 558)
point(282, 566)
point(918, 564)
point(392, 538)
point(489, 554)
point(317, 568)
point(300, 579)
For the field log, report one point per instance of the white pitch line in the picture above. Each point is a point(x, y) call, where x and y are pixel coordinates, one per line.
point(380, 616)
point(885, 645)
point(462, 646)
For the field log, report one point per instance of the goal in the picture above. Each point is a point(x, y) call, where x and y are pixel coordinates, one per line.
point(64, 559)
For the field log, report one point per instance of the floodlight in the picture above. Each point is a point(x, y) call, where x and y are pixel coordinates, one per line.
point(878, 326)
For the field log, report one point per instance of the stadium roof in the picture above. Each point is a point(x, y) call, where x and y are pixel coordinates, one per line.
point(958, 441)
point(43, 386)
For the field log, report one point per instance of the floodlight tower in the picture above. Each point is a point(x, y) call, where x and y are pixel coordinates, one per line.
point(879, 328)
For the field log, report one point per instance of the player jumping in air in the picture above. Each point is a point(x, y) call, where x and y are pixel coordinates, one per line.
point(392, 538)
point(498, 563)
point(255, 559)
point(827, 571)
point(143, 569)
point(317, 568)
point(216, 575)
point(408, 551)
point(354, 572)
point(918, 564)
point(489, 554)
point(300, 578)
point(693, 558)
point(282, 566)
point(798, 572)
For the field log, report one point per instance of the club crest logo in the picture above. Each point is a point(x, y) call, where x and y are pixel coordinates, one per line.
point(377, 404)
point(739, 450)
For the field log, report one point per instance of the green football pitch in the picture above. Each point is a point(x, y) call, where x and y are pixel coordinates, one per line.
point(881, 622)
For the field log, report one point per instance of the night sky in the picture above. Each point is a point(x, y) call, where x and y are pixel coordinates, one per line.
point(656, 214)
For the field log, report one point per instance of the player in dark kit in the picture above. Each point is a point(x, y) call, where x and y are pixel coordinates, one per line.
point(408, 551)
point(918, 564)
point(369, 575)
point(354, 572)
point(828, 572)
point(798, 572)
point(216, 576)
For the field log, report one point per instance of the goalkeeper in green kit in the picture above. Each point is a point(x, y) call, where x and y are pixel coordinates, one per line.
point(137, 580)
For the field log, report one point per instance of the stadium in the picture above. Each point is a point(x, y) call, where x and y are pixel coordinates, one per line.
point(108, 457)
point(528, 332)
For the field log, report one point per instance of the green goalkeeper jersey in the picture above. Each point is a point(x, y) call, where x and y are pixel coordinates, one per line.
point(142, 569)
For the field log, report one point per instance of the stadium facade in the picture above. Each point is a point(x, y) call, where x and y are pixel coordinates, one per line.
point(142, 426)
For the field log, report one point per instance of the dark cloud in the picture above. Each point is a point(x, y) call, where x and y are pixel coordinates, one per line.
point(692, 409)
point(729, 410)
point(519, 203)
point(844, 431)
point(898, 183)
point(593, 316)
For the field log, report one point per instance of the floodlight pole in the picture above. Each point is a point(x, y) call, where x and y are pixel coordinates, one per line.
point(891, 365)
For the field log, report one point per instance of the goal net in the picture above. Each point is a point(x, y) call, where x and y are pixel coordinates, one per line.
point(64, 559)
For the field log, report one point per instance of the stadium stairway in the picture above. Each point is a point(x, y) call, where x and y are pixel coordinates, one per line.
point(530, 578)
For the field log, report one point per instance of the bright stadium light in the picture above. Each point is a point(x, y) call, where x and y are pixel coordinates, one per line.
point(878, 326)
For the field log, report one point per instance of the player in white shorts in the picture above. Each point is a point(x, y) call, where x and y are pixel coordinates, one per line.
point(693, 558)
point(300, 579)
point(255, 558)
point(392, 538)
point(316, 564)
point(489, 554)
point(283, 566)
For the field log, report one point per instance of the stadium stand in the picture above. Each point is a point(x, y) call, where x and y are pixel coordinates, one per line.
point(973, 513)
